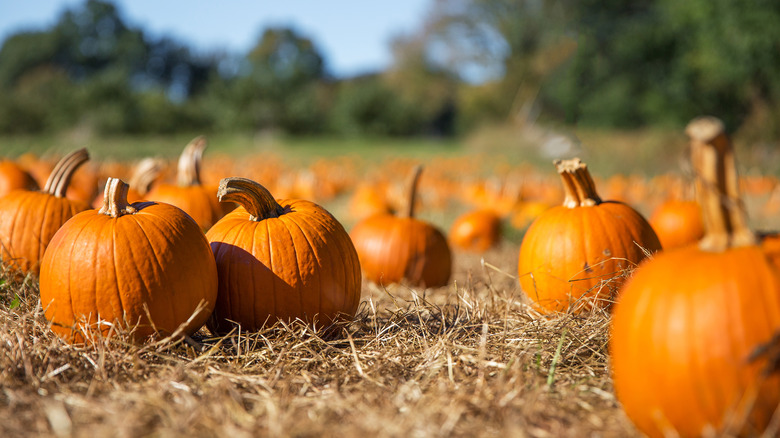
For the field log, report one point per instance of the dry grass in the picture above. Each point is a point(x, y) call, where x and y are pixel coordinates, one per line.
point(471, 359)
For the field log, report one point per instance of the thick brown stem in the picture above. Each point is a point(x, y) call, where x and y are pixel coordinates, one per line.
point(144, 175)
point(256, 199)
point(412, 197)
point(717, 186)
point(115, 199)
point(188, 173)
point(578, 185)
point(60, 177)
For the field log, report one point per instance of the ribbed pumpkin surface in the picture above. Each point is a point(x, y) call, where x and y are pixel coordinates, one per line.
point(102, 268)
point(300, 264)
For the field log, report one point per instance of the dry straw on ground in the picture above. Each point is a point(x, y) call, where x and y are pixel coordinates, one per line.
point(471, 359)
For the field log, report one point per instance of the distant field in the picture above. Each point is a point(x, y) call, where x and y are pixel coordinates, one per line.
point(642, 152)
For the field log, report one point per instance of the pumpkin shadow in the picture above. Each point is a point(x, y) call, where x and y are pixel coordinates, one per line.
point(251, 297)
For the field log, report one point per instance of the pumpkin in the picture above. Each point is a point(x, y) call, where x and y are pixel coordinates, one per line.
point(476, 230)
point(573, 256)
point(188, 193)
point(393, 248)
point(696, 331)
point(14, 177)
point(280, 259)
point(29, 219)
point(145, 267)
point(677, 223)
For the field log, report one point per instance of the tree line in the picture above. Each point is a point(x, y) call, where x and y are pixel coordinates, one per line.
point(611, 64)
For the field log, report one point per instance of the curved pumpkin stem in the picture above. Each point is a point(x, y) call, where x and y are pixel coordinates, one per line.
point(59, 180)
point(717, 186)
point(188, 170)
point(144, 175)
point(413, 183)
point(578, 185)
point(115, 199)
point(255, 198)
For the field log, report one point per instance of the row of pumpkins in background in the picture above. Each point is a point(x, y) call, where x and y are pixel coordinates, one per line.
point(695, 342)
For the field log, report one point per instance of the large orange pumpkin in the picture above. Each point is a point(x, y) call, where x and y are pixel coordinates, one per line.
point(393, 249)
point(280, 259)
point(696, 332)
point(189, 193)
point(476, 230)
point(143, 266)
point(677, 223)
point(29, 219)
point(573, 256)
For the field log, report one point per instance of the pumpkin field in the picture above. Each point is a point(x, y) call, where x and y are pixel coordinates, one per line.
point(494, 286)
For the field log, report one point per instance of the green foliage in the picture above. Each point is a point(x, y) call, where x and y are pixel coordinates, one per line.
point(615, 63)
point(370, 107)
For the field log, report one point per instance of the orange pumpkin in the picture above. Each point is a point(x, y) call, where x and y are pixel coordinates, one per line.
point(677, 223)
point(29, 219)
point(189, 194)
point(143, 266)
point(573, 255)
point(696, 332)
point(13, 177)
point(280, 259)
point(394, 249)
point(476, 231)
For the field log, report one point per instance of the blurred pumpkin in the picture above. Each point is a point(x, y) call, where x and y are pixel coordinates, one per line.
point(29, 219)
point(677, 223)
point(476, 230)
point(188, 193)
point(14, 177)
point(402, 248)
point(144, 175)
point(696, 332)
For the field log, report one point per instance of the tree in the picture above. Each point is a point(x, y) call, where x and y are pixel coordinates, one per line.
point(280, 87)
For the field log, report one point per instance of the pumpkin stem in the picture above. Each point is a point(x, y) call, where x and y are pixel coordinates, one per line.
point(115, 199)
point(413, 183)
point(59, 180)
point(717, 186)
point(188, 173)
point(255, 198)
point(578, 185)
point(144, 175)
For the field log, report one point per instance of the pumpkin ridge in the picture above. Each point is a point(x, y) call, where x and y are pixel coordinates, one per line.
point(622, 250)
point(219, 247)
point(333, 254)
point(335, 228)
point(112, 232)
point(15, 258)
point(226, 250)
point(271, 267)
point(75, 328)
point(42, 226)
point(254, 271)
point(233, 301)
point(297, 259)
point(14, 220)
point(158, 264)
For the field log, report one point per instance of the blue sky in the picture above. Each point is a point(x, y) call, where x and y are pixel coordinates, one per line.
point(353, 35)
